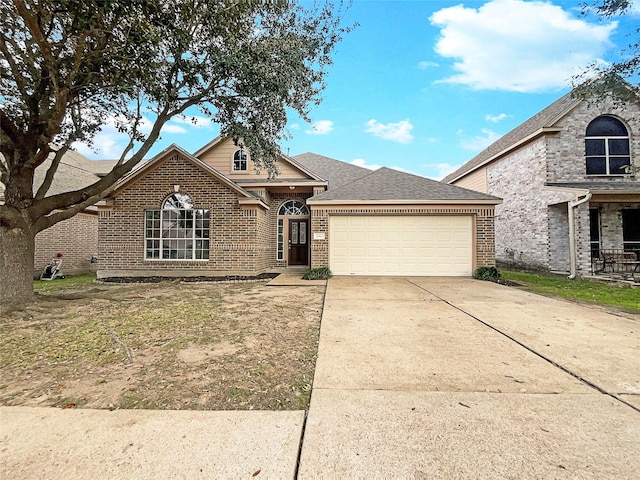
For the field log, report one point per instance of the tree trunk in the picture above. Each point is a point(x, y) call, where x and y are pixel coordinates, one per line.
point(17, 246)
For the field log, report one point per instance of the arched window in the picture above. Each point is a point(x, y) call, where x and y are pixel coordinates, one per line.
point(177, 231)
point(293, 207)
point(240, 161)
point(607, 147)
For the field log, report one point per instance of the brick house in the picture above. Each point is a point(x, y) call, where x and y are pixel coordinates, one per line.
point(568, 178)
point(212, 214)
point(76, 238)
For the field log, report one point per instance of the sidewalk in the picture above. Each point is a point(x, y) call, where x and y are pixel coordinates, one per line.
point(49, 443)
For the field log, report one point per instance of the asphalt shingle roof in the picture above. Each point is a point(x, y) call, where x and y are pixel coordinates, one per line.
point(388, 184)
point(335, 172)
point(74, 172)
point(543, 119)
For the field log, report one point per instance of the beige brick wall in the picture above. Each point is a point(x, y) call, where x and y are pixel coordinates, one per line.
point(484, 239)
point(76, 238)
point(238, 238)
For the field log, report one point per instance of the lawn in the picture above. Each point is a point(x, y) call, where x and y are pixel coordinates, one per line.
point(588, 291)
point(167, 345)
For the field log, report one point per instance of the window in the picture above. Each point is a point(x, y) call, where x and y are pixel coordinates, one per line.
point(594, 229)
point(240, 161)
point(280, 239)
point(293, 207)
point(177, 231)
point(631, 230)
point(607, 147)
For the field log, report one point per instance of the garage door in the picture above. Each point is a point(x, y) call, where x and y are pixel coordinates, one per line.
point(401, 245)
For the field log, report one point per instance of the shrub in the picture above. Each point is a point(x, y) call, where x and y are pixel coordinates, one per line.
point(487, 273)
point(322, 273)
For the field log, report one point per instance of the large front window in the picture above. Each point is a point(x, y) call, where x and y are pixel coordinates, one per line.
point(607, 147)
point(177, 231)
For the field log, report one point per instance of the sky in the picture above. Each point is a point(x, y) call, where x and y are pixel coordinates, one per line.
point(422, 86)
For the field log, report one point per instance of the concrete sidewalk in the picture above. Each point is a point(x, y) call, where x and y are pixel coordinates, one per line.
point(49, 443)
point(409, 384)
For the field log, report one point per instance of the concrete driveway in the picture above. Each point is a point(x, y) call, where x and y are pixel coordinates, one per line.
point(457, 378)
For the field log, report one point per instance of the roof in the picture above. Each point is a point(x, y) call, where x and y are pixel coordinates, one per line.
point(600, 187)
point(547, 118)
point(245, 196)
point(386, 184)
point(74, 172)
point(336, 172)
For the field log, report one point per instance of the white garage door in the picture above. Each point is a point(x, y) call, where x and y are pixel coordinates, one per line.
point(401, 245)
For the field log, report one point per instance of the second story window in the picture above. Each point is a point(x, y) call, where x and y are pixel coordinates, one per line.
point(240, 161)
point(607, 147)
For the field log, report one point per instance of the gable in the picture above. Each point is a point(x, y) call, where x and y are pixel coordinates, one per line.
point(175, 165)
point(541, 123)
point(176, 174)
point(219, 153)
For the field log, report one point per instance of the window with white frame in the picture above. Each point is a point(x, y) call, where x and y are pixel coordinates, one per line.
point(293, 207)
point(177, 231)
point(607, 147)
point(240, 161)
point(280, 250)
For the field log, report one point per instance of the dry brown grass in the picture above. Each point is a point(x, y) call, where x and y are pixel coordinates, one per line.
point(170, 345)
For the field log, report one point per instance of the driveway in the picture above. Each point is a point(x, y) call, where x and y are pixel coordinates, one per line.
point(457, 378)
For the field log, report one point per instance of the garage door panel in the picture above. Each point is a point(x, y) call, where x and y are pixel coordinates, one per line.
point(401, 245)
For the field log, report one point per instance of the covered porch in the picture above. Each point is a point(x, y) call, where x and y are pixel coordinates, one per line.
point(603, 224)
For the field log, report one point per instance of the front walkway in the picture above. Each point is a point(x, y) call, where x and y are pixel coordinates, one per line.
point(455, 378)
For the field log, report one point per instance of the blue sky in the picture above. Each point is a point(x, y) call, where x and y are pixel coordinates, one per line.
point(423, 86)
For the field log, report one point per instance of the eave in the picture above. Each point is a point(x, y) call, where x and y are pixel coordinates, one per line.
point(402, 202)
point(523, 141)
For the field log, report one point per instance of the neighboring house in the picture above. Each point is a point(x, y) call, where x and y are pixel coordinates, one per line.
point(569, 180)
point(76, 238)
point(213, 214)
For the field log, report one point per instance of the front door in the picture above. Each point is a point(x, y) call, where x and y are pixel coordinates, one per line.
point(298, 242)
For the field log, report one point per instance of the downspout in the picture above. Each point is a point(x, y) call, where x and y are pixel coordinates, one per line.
point(572, 233)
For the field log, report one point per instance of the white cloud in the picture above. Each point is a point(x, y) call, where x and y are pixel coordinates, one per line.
point(426, 64)
point(361, 162)
point(516, 45)
point(398, 132)
point(495, 118)
point(480, 142)
point(321, 127)
point(171, 128)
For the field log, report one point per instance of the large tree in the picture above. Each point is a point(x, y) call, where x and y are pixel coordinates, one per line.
point(70, 66)
point(625, 65)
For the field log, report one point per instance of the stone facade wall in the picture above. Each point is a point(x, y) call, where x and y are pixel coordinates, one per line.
point(76, 239)
point(484, 227)
point(238, 237)
point(610, 225)
point(566, 154)
point(522, 220)
point(559, 260)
